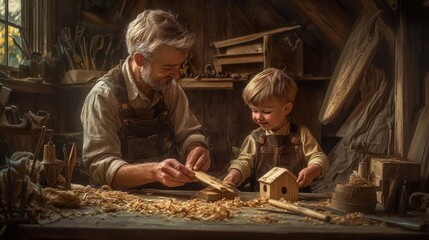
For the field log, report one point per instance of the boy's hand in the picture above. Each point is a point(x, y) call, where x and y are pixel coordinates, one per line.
point(234, 177)
point(308, 174)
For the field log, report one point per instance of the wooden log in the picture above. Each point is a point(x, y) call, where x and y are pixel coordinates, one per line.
point(302, 210)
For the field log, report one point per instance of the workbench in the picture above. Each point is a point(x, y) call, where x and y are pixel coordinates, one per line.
point(125, 225)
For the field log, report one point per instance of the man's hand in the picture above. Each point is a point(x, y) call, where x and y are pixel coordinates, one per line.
point(171, 173)
point(198, 159)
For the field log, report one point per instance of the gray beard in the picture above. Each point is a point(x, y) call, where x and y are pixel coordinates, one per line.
point(145, 76)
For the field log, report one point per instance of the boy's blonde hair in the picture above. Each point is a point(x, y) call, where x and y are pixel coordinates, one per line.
point(270, 85)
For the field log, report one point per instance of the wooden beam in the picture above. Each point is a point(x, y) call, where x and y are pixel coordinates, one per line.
point(328, 17)
point(386, 26)
point(407, 99)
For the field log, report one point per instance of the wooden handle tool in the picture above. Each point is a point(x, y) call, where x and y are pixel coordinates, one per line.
point(71, 164)
point(302, 210)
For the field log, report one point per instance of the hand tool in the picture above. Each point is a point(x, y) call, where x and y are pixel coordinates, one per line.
point(97, 43)
point(38, 147)
point(71, 165)
point(78, 34)
point(108, 51)
point(67, 39)
point(65, 51)
point(396, 221)
point(306, 211)
point(66, 167)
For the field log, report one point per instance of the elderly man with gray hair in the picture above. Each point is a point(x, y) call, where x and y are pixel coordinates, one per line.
point(137, 125)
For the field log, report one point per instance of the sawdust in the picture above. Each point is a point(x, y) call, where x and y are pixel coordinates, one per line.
point(110, 201)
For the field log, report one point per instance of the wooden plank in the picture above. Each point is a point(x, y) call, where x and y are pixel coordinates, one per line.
point(213, 182)
point(355, 59)
point(214, 26)
point(328, 16)
point(237, 23)
point(301, 210)
point(406, 88)
point(268, 51)
point(386, 27)
point(419, 148)
point(193, 18)
point(251, 37)
point(198, 85)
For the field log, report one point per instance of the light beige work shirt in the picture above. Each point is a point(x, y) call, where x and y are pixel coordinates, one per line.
point(313, 153)
point(101, 153)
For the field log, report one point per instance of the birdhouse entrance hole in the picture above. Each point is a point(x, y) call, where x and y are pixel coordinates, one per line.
point(284, 190)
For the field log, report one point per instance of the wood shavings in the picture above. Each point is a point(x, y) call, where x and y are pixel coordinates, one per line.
point(262, 219)
point(356, 180)
point(115, 201)
point(61, 199)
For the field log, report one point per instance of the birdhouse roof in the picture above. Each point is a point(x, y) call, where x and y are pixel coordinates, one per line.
point(275, 174)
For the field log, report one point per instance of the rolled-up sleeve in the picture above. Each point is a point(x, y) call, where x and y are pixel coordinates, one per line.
point(187, 128)
point(313, 153)
point(101, 153)
point(245, 160)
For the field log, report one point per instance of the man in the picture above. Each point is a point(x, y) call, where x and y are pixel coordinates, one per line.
point(136, 119)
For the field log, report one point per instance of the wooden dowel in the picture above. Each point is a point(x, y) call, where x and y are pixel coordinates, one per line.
point(302, 210)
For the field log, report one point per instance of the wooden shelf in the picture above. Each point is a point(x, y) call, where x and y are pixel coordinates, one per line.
point(29, 86)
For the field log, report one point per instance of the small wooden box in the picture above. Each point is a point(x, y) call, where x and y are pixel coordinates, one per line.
point(388, 169)
point(280, 48)
point(384, 171)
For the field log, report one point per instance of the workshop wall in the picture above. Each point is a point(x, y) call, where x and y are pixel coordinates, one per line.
point(223, 114)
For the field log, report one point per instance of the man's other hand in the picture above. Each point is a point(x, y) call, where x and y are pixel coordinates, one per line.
point(198, 159)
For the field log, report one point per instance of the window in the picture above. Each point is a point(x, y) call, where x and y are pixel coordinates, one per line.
point(13, 43)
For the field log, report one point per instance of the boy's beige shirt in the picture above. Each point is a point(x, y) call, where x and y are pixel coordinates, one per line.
point(313, 153)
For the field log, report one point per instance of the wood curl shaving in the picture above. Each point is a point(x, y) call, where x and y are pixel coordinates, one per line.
point(115, 201)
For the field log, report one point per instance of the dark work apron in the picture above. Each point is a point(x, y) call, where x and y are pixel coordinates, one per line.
point(277, 151)
point(145, 134)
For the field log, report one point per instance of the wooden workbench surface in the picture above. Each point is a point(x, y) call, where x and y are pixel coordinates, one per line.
point(249, 223)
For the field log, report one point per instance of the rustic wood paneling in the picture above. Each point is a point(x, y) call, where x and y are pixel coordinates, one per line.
point(406, 76)
point(214, 27)
point(193, 16)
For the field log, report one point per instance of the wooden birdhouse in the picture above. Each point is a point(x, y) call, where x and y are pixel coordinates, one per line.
point(278, 183)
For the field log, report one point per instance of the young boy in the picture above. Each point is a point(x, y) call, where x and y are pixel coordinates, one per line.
point(277, 142)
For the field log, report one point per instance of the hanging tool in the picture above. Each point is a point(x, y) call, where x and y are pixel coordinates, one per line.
point(108, 52)
point(97, 43)
point(67, 39)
